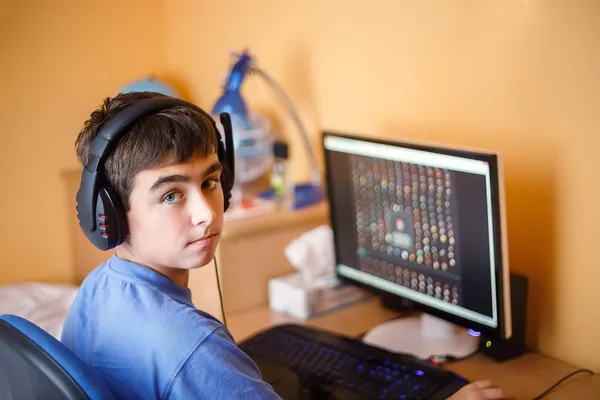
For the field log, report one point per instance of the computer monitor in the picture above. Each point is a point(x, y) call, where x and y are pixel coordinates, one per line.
point(426, 223)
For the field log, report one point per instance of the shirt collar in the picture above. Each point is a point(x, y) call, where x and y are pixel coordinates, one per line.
point(149, 276)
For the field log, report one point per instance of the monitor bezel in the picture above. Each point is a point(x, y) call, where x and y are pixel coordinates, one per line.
point(502, 272)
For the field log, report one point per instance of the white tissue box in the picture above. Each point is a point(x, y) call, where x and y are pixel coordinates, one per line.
point(290, 295)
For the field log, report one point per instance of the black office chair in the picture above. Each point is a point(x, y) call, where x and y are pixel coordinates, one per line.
point(34, 365)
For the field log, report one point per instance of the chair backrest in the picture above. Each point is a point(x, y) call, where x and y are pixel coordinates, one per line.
point(35, 365)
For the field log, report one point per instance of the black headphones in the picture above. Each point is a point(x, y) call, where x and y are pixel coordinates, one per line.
point(102, 216)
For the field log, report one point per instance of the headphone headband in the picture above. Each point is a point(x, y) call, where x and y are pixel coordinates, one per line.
point(107, 139)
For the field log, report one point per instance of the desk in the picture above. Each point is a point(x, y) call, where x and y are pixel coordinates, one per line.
point(523, 378)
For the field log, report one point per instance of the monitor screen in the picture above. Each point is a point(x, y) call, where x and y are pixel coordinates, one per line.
point(420, 222)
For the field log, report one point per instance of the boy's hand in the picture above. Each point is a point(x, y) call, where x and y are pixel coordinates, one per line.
point(480, 390)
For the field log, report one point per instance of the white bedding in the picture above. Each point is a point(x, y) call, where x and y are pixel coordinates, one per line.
point(46, 305)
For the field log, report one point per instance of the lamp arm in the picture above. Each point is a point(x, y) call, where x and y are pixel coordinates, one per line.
point(315, 174)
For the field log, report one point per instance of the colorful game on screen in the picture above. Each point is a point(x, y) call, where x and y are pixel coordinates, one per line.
point(406, 225)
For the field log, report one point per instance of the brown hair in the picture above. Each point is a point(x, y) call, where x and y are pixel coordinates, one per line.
point(174, 134)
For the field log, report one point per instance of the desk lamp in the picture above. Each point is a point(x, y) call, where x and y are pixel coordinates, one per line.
point(232, 102)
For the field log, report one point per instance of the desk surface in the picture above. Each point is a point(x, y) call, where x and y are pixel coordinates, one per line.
point(522, 378)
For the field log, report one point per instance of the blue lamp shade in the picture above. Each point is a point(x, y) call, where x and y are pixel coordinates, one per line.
point(231, 100)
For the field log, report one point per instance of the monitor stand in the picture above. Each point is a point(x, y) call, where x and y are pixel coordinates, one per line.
point(423, 336)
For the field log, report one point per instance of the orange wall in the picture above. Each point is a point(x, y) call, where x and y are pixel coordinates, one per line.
point(59, 60)
point(519, 76)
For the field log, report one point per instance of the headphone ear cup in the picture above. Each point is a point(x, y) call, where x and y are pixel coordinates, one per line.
point(226, 181)
point(111, 221)
point(226, 186)
point(225, 138)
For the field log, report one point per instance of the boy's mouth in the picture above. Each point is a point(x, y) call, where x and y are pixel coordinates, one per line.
point(204, 239)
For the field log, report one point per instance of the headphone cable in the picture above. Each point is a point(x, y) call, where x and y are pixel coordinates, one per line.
point(220, 295)
point(551, 388)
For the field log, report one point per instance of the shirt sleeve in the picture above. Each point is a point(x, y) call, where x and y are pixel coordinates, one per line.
point(218, 369)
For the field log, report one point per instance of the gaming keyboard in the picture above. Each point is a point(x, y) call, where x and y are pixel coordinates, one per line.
point(306, 363)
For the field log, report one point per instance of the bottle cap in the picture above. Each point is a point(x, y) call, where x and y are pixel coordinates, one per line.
point(281, 149)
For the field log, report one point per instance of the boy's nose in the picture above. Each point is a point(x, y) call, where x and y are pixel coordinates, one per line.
point(202, 213)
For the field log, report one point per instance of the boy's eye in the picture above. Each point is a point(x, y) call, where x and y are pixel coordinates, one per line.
point(172, 198)
point(210, 184)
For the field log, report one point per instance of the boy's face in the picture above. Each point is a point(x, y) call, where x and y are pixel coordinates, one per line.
point(176, 214)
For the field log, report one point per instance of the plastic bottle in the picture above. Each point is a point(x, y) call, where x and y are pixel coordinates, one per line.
point(283, 188)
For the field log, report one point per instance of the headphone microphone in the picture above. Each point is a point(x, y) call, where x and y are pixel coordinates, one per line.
point(101, 215)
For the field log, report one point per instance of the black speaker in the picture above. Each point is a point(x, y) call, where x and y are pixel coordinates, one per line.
point(502, 350)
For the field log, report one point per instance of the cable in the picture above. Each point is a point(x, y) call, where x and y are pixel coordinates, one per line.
point(561, 381)
point(220, 295)
point(443, 359)
point(315, 174)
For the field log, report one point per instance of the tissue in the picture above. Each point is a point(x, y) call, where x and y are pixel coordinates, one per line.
point(314, 288)
point(312, 254)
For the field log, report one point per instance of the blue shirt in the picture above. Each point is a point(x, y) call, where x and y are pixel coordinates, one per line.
point(141, 331)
